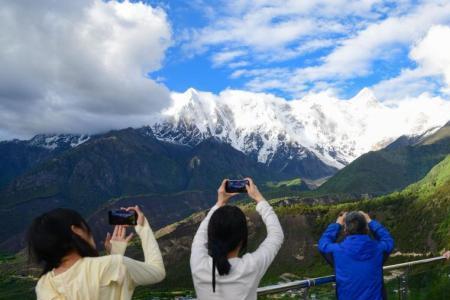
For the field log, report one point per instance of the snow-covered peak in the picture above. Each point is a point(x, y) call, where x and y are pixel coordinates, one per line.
point(53, 142)
point(337, 131)
point(191, 107)
point(366, 94)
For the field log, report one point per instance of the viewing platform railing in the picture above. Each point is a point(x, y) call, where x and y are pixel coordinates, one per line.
point(307, 283)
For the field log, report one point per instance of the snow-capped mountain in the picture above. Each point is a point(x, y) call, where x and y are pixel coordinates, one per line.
point(18, 156)
point(319, 126)
point(311, 137)
point(58, 141)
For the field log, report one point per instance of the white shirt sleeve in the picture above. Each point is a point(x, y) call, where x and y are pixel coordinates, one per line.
point(199, 248)
point(152, 269)
point(266, 252)
point(118, 247)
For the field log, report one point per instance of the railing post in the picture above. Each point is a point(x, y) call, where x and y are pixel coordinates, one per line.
point(306, 296)
point(403, 284)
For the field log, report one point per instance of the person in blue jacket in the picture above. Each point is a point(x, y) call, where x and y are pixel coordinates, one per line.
point(358, 259)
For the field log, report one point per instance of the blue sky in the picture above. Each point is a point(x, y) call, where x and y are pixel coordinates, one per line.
point(205, 31)
point(181, 69)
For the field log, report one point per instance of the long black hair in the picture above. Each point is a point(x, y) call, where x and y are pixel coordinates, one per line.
point(50, 238)
point(227, 230)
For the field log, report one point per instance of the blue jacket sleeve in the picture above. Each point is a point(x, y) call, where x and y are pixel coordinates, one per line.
point(327, 242)
point(383, 236)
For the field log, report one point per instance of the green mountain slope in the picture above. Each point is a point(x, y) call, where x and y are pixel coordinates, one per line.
point(435, 180)
point(390, 169)
point(128, 164)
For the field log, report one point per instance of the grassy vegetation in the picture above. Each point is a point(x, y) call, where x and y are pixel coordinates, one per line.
point(418, 218)
point(284, 188)
point(16, 281)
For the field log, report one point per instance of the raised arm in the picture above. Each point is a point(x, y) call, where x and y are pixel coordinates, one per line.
point(382, 235)
point(266, 252)
point(329, 237)
point(151, 270)
point(327, 242)
point(269, 248)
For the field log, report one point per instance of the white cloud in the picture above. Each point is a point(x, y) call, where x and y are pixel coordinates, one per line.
point(408, 83)
point(355, 55)
point(270, 27)
point(222, 58)
point(432, 55)
point(313, 45)
point(354, 34)
point(238, 64)
point(79, 66)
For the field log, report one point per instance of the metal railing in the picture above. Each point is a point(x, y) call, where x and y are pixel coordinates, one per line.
point(301, 284)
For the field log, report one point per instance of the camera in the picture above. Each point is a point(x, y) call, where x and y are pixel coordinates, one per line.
point(236, 186)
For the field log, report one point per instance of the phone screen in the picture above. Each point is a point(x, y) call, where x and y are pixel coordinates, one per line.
point(236, 186)
point(122, 217)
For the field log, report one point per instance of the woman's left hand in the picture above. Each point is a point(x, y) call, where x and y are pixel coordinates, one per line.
point(222, 195)
point(140, 214)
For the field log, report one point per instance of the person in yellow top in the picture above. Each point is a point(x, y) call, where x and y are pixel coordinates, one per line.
point(61, 241)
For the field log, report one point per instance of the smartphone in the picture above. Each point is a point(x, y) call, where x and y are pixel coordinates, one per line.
point(236, 186)
point(122, 217)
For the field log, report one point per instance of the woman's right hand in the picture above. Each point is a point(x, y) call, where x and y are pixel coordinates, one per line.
point(253, 192)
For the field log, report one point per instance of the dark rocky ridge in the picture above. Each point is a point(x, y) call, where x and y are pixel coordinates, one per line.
point(124, 163)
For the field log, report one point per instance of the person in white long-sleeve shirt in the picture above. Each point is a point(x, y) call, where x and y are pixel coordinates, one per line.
point(219, 270)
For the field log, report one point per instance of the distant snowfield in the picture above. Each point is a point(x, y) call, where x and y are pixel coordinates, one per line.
point(337, 131)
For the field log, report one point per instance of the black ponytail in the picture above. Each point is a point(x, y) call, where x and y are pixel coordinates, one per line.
point(50, 238)
point(227, 230)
